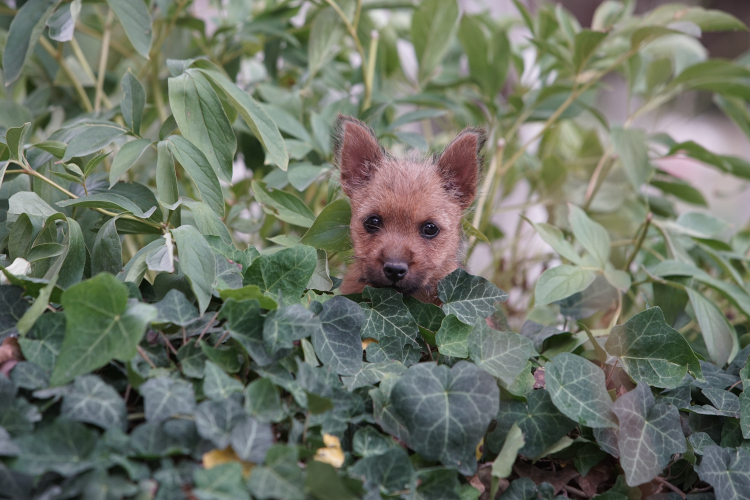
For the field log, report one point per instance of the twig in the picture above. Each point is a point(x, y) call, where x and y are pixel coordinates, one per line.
point(136, 416)
point(370, 72)
point(85, 101)
point(169, 344)
point(735, 385)
point(222, 339)
point(486, 185)
point(670, 486)
point(103, 55)
point(575, 491)
point(595, 183)
point(612, 372)
point(208, 325)
point(639, 243)
point(146, 357)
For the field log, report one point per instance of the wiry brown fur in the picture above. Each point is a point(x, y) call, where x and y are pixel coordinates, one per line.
point(405, 194)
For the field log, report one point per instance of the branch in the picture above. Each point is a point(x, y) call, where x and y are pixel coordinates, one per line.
point(85, 101)
point(103, 56)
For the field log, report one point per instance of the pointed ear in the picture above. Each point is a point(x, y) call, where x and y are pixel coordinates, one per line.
point(460, 163)
point(356, 151)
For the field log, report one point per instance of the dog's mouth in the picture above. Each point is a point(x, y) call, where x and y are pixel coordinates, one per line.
point(407, 286)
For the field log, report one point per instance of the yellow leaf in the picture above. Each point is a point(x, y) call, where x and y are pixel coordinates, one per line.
point(332, 454)
point(217, 457)
point(367, 342)
point(480, 449)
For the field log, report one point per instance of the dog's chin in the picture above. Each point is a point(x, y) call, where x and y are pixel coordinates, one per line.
point(405, 287)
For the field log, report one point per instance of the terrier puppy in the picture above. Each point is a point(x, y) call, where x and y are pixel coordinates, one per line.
point(406, 213)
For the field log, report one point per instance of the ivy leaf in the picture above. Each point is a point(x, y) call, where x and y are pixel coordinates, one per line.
point(285, 272)
point(652, 352)
point(42, 344)
point(262, 401)
point(368, 442)
point(501, 354)
point(164, 397)
point(217, 385)
point(192, 360)
point(541, 422)
point(649, 434)
point(251, 440)
point(469, 297)
point(372, 373)
point(577, 388)
point(13, 307)
point(221, 482)
point(176, 309)
point(452, 337)
point(245, 325)
point(287, 324)
point(100, 326)
point(94, 402)
point(214, 420)
point(198, 263)
point(390, 470)
point(724, 403)
point(63, 446)
point(446, 411)
point(280, 478)
point(338, 343)
point(727, 470)
point(387, 320)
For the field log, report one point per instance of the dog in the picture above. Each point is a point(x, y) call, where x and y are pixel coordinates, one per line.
point(406, 213)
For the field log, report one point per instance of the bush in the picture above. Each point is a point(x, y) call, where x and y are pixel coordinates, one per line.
point(171, 232)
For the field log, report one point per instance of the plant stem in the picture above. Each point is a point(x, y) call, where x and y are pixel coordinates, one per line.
point(370, 70)
point(103, 55)
point(638, 244)
point(85, 101)
point(595, 183)
point(484, 193)
point(82, 59)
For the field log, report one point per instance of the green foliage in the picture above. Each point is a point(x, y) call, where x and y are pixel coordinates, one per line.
point(173, 234)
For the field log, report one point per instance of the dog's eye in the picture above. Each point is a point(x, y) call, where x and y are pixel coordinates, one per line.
point(372, 224)
point(430, 230)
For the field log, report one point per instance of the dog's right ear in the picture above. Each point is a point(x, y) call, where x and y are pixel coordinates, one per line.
point(356, 151)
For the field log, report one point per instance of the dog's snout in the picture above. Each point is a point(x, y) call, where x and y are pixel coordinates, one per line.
point(395, 271)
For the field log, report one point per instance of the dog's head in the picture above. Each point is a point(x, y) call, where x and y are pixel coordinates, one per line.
point(406, 213)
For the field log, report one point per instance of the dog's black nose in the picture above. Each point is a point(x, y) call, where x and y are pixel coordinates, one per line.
point(395, 271)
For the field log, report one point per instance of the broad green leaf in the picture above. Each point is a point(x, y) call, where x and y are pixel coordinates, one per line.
point(369, 442)
point(192, 360)
point(489, 57)
point(262, 401)
point(469, 297)
point(25, 29)
point(251, 440)
point(649, 34)
point(586, 43)
point(249, 292)
point(106, 255)
point(42, 343)
point(175, 308)
point(94, 402)
point(502, 467)
point(164, 397)
point(330, 230)
point(100, 326)
point(649, 434)
point(561, 282)
point(63, 446)
point(222, 482)
point(432, 28)
point(200, 171)
point(26, 375)
point(283, 205)
point(388, 321)
point(501, 354)
point(428, 316)
point(541, 422)
point(198, 112)
point(217, 385)
point(391, 470)
point(372, 373)
point(43, 250)
point(281, 477)
point(262, 126)
point(554, 238)
point(29, 203)
point(452, 337)
point(338, 343)
point(225, 356)
point(323, 482)
point(22, 234)
point(110, 201)
point(197, 262)
point(727, 470)
point(230, 251)
point(133, 102)
point(136, 21)
point(652, 352)
point(720, 338)
point(96, 136)
point(706, 19)
point(577, 388)
point(446, 411)
point(284, 273)
point(745, 413)
point(326, 31)
point(630, 145)
point(287, 324)
point(15, 137)
point(207, 221)
point(214, 420)
point(166, 178)
point(723, 403)
point(33, 313)
point(126, 157)
point(245, 325)
point(591, 235)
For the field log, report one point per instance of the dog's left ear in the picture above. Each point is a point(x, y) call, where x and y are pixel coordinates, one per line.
point(460, 164)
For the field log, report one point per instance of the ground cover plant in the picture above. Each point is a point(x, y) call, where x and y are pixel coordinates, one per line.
point(172, 233)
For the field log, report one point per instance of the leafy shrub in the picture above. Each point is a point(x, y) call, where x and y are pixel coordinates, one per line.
point(216, 360)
